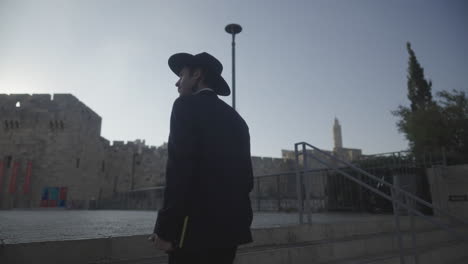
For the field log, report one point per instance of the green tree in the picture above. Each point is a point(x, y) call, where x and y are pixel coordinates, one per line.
point(454, 109)
point(433, 126)
point(419, 89)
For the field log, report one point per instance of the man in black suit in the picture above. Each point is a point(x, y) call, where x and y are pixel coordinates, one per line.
point(207, 211)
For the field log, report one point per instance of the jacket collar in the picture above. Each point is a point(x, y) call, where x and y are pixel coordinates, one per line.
point(204, 90)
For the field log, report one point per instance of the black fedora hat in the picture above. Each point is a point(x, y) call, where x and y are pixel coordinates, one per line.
point(206, 61)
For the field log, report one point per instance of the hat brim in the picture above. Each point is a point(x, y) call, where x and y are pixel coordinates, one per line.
point(180, 60)
point(221, 86)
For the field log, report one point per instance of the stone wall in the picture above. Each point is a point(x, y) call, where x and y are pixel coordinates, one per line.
point(59, 137)
point(134, 166)
point(449, 189)
point(267, 165)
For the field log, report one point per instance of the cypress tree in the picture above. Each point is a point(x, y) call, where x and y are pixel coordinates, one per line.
point(419, 89)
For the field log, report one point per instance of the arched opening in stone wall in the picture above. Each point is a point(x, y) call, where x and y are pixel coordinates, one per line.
point(18, 104)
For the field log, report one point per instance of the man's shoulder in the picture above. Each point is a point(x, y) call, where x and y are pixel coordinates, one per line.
point(197, 101)
point(207, 104)
point(192, 99)
point(191, 104)
point(183, 102)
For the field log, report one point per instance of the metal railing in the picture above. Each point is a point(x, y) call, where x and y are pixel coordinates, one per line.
point(399, 197)
point(276, 192)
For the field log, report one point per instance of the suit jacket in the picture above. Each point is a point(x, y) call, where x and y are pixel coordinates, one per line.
point(208, 175)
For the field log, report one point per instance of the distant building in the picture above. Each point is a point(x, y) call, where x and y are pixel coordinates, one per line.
point(338, 140)
point(348, 154)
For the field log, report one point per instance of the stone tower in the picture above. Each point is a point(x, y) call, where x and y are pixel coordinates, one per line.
point(337, 135)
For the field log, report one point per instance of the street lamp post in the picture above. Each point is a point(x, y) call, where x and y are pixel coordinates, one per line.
point(233, 29)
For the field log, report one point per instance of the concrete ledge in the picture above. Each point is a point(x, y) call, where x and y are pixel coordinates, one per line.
point(293, 244)
point(102, 250)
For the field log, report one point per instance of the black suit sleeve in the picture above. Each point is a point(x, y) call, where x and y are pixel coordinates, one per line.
point(179, 170)
point(248, 156)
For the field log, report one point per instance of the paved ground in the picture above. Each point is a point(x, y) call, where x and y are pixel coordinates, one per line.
point(20, 226)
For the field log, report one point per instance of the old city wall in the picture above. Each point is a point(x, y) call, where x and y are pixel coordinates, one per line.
point(134, 166)
point(151, 167)
point(268, 186)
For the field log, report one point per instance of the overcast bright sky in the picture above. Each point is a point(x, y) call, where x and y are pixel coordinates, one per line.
point(299, 63)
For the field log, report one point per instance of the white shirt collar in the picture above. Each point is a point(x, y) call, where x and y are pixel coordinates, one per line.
point(204, 89)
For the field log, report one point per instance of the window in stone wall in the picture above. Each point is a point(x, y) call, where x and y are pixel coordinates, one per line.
point(78, 162)
point(18, 104)
point(11, 124)
point(56, 124)
point(8, 161)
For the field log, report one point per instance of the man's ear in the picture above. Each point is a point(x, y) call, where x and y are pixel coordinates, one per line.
point(197, 73)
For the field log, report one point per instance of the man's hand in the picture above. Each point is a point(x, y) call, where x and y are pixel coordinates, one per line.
point(160, 244)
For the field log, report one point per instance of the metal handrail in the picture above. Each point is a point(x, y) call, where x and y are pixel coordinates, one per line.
point(386, 196)
point(387, 153)
point(400, 190)
point(396, 202)
point(288, 173)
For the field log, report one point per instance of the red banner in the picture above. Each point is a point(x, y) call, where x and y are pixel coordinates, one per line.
point(63, 193)
point(1, 175)
point(13, 178)
point(27, 181)
point(52, 203)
